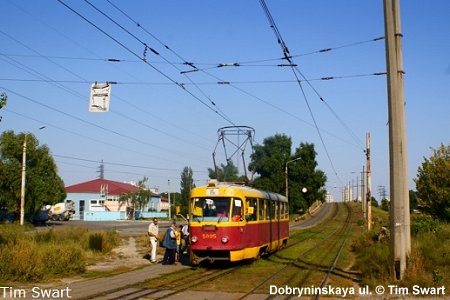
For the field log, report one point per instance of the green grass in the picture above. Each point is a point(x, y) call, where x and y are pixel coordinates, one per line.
point(30, 256)
point(428, 263)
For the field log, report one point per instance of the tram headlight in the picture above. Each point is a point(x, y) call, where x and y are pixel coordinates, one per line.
point(225, 240)
point(194, 239)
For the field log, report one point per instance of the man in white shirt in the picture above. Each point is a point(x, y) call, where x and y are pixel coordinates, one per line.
point(153, 232)
point(185, 232)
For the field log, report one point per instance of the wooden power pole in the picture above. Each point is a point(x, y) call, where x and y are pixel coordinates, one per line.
point(399, 210)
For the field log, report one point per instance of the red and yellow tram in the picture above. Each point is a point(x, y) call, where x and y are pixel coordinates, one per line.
point(234, 222)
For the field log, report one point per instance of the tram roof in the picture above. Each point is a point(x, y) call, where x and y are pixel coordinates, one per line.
point(250, 191)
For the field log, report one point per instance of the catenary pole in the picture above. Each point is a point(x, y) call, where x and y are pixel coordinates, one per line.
point(400, 90)
point(363, 192)
point(399, 211)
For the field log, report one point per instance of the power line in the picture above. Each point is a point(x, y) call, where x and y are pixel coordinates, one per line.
point(184, 62)
point(142, 58)
point(75, 93)
point(286, 55)
point(250, 63)
point(218, 82)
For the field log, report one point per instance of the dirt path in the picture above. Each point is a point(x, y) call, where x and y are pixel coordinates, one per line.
point(126, 255)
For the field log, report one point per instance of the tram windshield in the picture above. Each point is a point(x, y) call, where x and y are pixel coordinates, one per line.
point(211, 209)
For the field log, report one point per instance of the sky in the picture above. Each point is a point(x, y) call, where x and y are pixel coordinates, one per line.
point(165, 115)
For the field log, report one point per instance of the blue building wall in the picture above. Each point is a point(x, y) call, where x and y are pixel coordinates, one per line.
point(104, 215)
point(151, 210)
point(150, 214)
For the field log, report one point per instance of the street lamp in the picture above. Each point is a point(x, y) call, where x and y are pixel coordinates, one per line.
point(286, 174)
point(24, 170)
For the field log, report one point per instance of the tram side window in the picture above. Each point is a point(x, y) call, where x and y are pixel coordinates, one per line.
point(251, 209)
point(261, 209)
point(267, 202)
point(277, 210)
point(286, 210)
point(273, 209)
point(237, 210)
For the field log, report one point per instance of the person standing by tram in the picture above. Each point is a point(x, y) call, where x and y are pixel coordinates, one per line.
point(185, 234)
point(153, 232)
point(170, 243)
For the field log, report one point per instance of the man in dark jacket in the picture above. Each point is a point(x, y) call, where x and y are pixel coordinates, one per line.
point(170, 244)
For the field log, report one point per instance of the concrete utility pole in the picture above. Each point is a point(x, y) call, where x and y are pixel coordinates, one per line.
point(369, 184)
point(399, 212)
point(363, 192)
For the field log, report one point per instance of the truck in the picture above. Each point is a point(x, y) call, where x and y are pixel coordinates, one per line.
point(62, 211)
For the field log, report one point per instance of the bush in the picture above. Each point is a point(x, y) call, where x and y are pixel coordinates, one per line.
point(372, 258)
point(21, 260)
point(33, 256)
point(103, 241)
point(63, 259)
point(424, 223)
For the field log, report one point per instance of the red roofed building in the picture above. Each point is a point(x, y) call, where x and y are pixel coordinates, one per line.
point(100, 199)
point(95, 186)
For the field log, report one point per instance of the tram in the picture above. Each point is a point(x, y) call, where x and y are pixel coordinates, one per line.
point(234, 222)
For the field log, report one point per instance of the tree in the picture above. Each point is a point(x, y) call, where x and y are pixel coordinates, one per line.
point(186, 185)
point(227, 173)
point(303, 173)
point(385, 204)
point(374, 202)
point(433, 183)
point(413, 205)
point(269, 160)
point(137, 199)
point(43, 185)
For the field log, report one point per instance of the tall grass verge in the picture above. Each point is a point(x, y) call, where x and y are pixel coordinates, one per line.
point(428, 263)
point(35, 256)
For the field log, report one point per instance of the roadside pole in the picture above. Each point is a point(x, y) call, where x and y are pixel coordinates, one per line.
point(399, 194)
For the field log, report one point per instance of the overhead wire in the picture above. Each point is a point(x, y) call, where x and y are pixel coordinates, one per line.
point(249, 63)
point(295, 66)
point(47, 79)
point(96, 140)
point(217, 110)
point(272, 105)
point(77, 94)
point(287, 56)
point(184, 61)
point(218, 82)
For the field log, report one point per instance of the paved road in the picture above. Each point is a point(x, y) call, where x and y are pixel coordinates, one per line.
point(316, 217)
point(124, 227)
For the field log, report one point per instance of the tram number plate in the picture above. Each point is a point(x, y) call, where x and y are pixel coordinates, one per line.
point(212, 192)
point(209, 236)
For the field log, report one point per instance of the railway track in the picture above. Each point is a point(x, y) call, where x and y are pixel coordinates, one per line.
point(298, 270)
point(301, 269)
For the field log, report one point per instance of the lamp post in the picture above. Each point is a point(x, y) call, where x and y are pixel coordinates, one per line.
point(286, 175)
point(24, 171)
